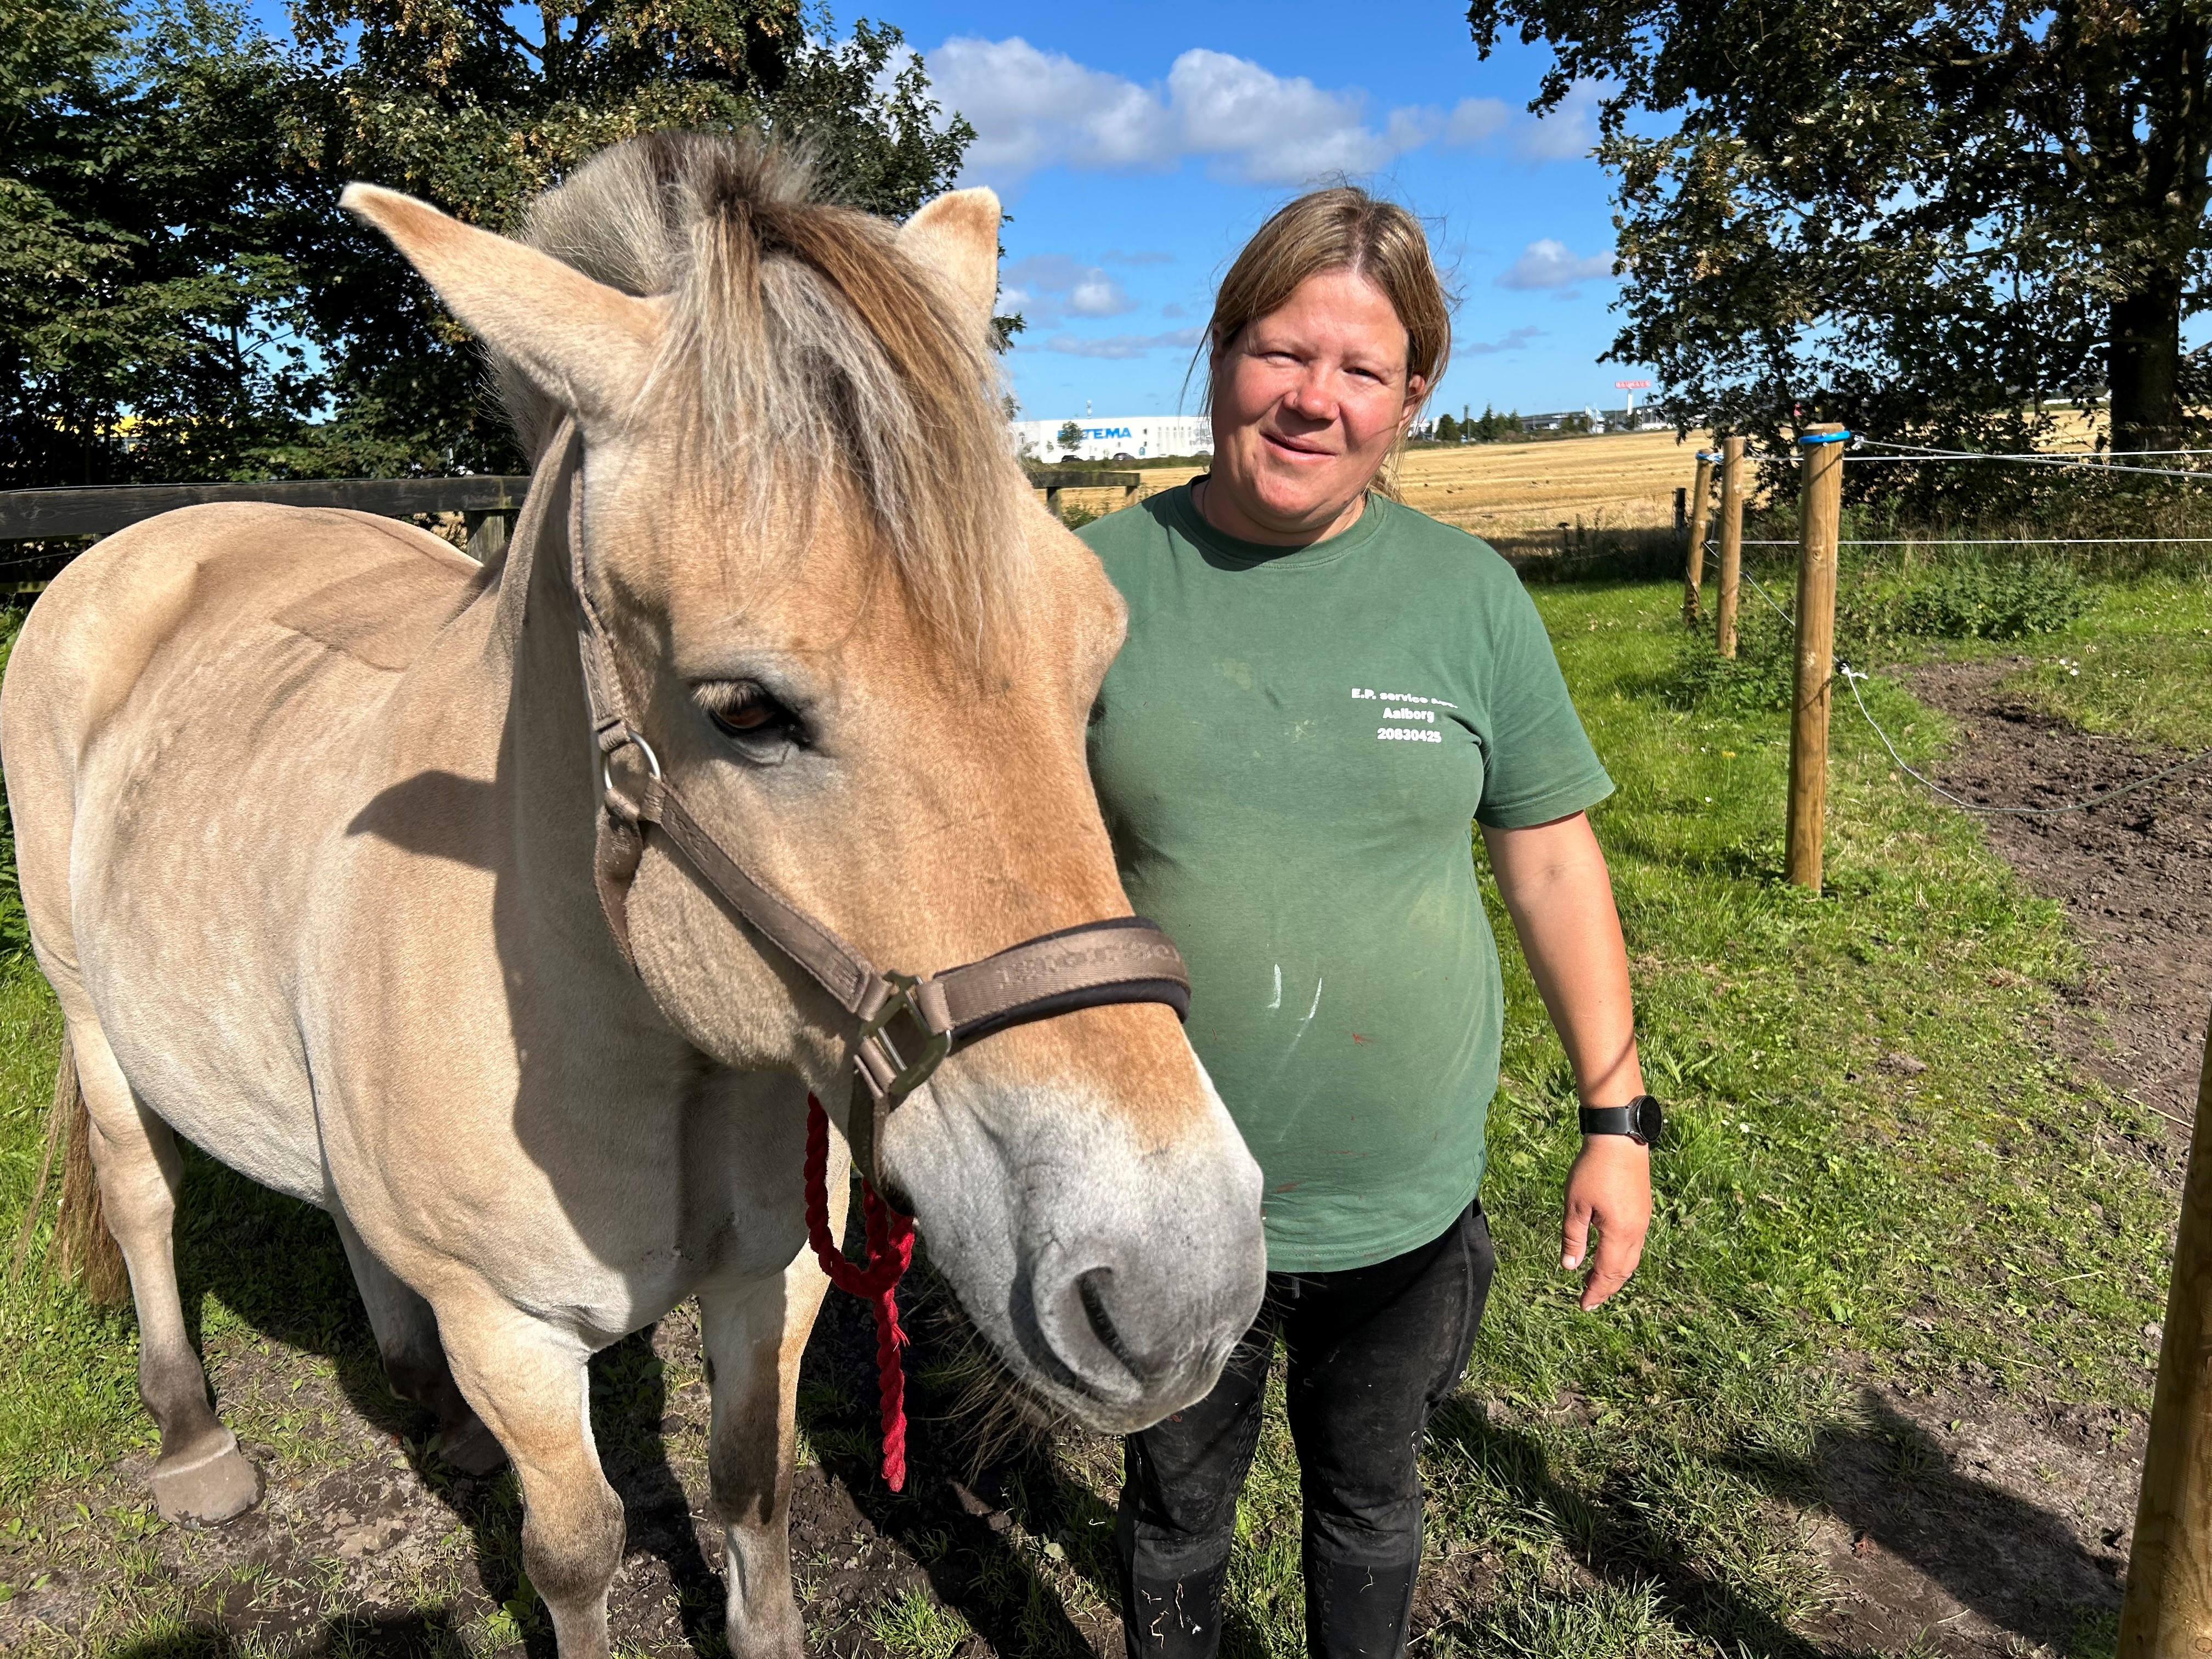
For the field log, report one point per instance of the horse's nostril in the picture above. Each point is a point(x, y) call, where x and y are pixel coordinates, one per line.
point(1092, 1287)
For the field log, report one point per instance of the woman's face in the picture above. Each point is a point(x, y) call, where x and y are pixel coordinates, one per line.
point(1307, 403)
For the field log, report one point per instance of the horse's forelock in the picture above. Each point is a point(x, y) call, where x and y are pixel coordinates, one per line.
point(804, 348)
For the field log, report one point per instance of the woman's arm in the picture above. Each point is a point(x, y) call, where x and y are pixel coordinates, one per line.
point(1554, 883)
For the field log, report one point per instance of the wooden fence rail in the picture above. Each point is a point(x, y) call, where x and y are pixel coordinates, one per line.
point(489, 500)
point(1054, 479)
point(102, 510)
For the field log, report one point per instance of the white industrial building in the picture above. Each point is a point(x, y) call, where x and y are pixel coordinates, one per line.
point(1114, 437)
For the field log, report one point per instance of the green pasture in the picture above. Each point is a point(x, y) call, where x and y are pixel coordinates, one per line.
point(1879, 1164)
point(2139, 665)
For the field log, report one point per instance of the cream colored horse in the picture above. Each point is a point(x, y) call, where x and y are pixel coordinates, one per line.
point(307, 801)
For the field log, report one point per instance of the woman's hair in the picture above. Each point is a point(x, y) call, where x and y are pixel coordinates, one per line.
point(1342, 228)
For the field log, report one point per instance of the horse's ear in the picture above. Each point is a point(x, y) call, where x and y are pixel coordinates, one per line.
point(590, 347)
point(957, 236)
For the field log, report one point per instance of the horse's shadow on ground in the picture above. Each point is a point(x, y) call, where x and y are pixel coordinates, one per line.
point(278, 1266)
point(1885, 1478)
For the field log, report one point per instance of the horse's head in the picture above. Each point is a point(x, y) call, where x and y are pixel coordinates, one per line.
point(867, 660)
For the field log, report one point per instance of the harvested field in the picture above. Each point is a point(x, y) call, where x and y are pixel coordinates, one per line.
point(1515, 495)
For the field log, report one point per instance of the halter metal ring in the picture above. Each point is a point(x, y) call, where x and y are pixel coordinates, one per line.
point(630, 737)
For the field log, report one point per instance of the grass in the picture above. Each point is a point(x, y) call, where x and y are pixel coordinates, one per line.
point(1630, 1481)
point(1627, 1488)
point(2139, 665)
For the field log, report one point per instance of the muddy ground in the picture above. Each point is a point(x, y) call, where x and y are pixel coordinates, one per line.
point(1953, 1521)
point(2133, 876)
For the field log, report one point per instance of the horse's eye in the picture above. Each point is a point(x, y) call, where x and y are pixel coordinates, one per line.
point(742, 708)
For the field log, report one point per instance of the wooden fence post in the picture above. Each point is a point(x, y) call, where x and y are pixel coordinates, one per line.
point(1693, 574)
point(1731, 544)
point(487, 533)
point(1819, 505)
point(2167, 1613)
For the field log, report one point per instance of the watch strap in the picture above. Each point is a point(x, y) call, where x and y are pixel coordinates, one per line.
point(1617, 1120)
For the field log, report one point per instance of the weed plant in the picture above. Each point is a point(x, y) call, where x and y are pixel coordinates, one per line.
point(1882, 608)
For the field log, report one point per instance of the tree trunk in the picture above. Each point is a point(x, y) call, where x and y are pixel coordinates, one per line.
point(2146, 365)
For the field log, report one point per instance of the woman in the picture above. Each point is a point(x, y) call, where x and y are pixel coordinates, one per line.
point(1319, 690)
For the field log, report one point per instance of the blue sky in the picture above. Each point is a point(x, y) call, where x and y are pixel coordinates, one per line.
point(1136, 156)
point(1138, 149)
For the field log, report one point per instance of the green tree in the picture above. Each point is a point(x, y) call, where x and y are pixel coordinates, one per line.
point(477, 107)
point(1923, 218)
point(1448, 430)
point(1070, 435)
point(185, 298)
point(150, 328)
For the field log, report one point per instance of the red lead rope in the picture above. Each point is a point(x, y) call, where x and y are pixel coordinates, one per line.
point(890, 1251)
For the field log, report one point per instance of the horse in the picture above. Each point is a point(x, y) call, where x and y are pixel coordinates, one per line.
point(341, 867)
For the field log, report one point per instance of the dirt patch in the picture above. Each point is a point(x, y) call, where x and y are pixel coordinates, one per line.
point(1979, 1523)
point(2136, 878)
point(364, 1543)
point(1975, 1524)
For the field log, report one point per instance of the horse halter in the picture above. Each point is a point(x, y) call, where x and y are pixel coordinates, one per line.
point(908, 1024)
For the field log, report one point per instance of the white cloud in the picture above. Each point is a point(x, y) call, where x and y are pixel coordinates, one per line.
point(1568, 132)
point(1047, 287)
point(1123, 345)
point(1033, 109)
point(1546, 263)
point(1514, 339)
point(1473, 120)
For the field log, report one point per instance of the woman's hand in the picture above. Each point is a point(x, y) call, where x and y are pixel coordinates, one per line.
point(1553, 879)
point(1610, 1184)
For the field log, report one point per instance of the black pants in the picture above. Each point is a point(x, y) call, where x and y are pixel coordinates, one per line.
point(1373, 1352)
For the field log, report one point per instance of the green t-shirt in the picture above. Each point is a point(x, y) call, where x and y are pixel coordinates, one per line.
point(1289, 749)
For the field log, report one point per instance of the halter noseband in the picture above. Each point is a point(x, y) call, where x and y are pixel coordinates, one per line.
point(908, 1024)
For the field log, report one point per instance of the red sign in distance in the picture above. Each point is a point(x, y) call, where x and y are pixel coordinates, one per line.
point(1630, 386)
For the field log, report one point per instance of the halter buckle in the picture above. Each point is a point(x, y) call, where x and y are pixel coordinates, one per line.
point(893, 1075)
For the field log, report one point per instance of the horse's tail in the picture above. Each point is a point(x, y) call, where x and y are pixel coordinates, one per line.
point(82, 1246)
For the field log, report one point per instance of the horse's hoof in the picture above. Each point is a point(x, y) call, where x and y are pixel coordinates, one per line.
point(471, 1447)
point(208, 1489)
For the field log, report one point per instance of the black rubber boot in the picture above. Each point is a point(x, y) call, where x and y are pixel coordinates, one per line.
point(1357, 1613)
point(1173, 1618)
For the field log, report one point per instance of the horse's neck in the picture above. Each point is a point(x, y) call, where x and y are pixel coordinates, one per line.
point(548, 764)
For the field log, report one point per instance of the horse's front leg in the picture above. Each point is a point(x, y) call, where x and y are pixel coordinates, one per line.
point(526, 1380)
point(755, 1334)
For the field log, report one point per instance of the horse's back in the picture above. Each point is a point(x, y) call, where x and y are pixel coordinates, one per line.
point(371, 589)
point(186, 719)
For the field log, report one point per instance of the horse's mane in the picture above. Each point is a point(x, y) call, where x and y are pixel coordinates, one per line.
point(805, 349)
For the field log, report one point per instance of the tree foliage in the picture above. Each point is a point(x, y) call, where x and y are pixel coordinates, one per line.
point(453, 101)
point(1923, 219)
point(138, 251)
point(186, 299)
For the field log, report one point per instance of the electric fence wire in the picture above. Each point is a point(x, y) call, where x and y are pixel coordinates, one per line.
point(1759, 588)
point(2073, 463)
point(2010, 541)
point(1852, 677)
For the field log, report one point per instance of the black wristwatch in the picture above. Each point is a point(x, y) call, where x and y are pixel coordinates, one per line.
point(1640, 1120)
